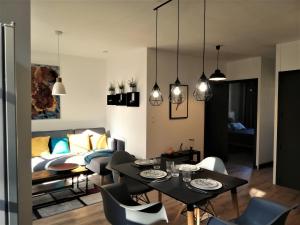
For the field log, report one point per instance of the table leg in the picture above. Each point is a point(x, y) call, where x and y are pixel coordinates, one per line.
point(235, 201)
point(190, 215)
point(159, 196)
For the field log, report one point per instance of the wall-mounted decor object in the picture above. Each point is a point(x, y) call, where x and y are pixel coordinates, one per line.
point(203, 90)
point(58, 87)
point(111, 98)
point(133, 99)
point(179, 110)
point(43, 104)
point(132, 85)
point(121, 97)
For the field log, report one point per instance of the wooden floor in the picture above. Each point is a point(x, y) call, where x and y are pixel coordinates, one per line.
point(260, 184)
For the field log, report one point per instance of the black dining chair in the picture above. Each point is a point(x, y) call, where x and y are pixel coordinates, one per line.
point(258, 212)
point(121, 209)
point(136, 189)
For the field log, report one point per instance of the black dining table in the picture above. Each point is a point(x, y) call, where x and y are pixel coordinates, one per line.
point(174, 187)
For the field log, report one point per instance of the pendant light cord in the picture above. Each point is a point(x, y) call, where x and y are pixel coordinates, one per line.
point(178, 39)
point(218, 57)
point(58, 53)
point(204, 26)
point(156, 48)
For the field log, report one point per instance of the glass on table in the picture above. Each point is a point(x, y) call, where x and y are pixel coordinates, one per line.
point(156, 163)
point(174, 170)
point(186, 175)
point(169, 166)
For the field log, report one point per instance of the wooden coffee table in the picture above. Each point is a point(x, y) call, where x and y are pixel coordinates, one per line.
point(46, 181)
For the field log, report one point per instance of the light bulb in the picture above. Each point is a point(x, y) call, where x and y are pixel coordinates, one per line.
point(155, 94)
point(177, 91)
point(202, 87)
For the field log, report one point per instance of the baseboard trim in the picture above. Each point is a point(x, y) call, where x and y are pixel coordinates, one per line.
point(264, 165)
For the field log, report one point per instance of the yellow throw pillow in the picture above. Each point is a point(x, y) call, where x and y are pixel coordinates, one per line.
point(40, 146)
point(99, 141)
point(79, 143)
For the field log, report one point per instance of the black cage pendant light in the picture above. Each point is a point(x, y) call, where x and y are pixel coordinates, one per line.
point(217, 75)
point(203, 90)
point(156, 97)
point(176, 95)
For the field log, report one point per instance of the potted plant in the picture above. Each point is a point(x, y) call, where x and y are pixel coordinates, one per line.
point(112, 89)
point(132, 85)
point(121, 87)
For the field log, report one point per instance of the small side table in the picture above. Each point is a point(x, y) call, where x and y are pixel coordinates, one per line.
point(190, 156)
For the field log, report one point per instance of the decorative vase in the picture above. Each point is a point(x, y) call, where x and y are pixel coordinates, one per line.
point(133, 89)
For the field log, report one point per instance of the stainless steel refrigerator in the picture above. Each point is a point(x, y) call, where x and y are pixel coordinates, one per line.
point(8, 144)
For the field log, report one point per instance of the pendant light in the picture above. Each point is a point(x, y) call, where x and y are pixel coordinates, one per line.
point(217, 75)
point(203, 90)
point(58, 87)
point(156, 98)
point(176, 95)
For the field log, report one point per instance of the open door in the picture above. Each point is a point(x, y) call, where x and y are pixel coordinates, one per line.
point(216, 119)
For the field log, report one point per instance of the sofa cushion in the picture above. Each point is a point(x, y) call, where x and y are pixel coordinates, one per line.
point(59, 145)
point(40, 146)
point(99, 141)
point(79, 143)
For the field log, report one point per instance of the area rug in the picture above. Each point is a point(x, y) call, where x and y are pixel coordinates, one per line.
point(91, 198)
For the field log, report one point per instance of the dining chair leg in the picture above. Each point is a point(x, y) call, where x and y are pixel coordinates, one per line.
point(181, 209)
point(146, 198)
point(198, 216)
point(235, 201)
point(212, 208)
point(190, 215)
point(159, 196)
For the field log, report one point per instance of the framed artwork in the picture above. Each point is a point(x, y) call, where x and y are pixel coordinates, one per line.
point(180, 111)
point(43, 104)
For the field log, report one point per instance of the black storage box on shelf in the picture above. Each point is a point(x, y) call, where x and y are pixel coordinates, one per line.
point(133, 99)
point(111, 99)
point(121, 99)
point(190, 156)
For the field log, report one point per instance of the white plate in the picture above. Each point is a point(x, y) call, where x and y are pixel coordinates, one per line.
point(206, 184)
point(188, 167)
point(153, 174)
point(144, 162)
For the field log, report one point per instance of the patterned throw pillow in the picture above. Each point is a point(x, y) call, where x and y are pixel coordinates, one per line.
point(59, 145)
point(79, 143)
point(40, 146)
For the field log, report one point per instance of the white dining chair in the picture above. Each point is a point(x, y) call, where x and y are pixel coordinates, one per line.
point(214, 164)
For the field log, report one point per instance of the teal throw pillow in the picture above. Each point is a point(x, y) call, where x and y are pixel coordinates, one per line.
point(59, 145)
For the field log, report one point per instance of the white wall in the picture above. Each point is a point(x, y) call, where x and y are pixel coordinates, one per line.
point(162, 132)
point(84, 104)
point(19, 12)
point(129, 123)
point(287, 58)
point(263, 70)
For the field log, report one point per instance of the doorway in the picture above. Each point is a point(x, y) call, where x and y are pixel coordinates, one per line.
point(230, 122)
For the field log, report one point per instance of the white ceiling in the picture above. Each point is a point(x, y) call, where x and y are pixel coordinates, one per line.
point(245, 27)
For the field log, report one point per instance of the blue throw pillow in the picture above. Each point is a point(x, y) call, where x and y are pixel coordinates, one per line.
point(59, 145)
